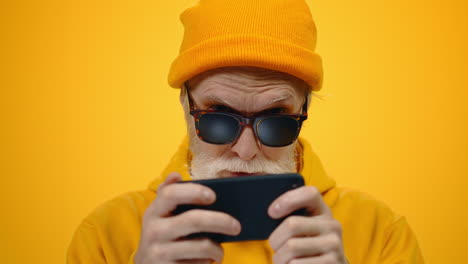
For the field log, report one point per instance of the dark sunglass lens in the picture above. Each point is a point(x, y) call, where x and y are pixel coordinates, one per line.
point(218, 128)
point(277, 131)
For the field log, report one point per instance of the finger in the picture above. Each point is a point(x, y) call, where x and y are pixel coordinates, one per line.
point(195, 261)
point(196, 221)
point(304, 197)
point(184, 193)
point(307, 247)
point(327, 258)
point(171, 178)
point(297, 226)
point(196, 249)
point(190, 222)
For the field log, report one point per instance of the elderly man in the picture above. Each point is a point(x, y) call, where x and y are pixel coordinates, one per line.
point(245, 60)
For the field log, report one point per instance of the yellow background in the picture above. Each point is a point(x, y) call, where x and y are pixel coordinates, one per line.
point(86, 112)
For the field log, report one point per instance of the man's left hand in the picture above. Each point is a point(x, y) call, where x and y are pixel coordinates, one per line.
point(305, 239)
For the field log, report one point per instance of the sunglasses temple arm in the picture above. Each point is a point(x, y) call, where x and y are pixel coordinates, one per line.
point(304, 107)
point(188, 96)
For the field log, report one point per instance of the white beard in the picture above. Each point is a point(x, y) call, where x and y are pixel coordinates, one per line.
point(205, 167)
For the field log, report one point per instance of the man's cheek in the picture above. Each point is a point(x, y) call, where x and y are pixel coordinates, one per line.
point(277, 153)
point(214, 151)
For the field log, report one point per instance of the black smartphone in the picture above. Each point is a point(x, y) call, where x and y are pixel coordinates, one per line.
point(247, 199)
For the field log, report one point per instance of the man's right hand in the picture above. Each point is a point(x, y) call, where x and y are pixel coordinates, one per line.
point(162, 237)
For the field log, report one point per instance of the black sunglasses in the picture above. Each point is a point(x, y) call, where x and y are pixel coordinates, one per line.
point(273, 130)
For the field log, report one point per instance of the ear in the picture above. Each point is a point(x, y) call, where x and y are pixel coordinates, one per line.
point(182, 94)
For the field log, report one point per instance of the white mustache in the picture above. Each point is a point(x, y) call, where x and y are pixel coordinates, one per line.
point(203, 167)
point(252, 166)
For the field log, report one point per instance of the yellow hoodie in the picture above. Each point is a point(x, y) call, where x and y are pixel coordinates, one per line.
point(372, 232)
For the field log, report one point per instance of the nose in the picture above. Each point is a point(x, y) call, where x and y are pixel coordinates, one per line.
point(246, 146)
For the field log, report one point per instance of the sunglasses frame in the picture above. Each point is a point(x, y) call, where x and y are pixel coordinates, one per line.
point(243, 121)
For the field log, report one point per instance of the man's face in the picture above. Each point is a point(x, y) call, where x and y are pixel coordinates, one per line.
point(248, 91)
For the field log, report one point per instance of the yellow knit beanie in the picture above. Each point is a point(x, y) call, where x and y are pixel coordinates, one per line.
point(274, 34)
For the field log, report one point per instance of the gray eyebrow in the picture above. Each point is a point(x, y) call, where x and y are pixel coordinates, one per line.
point(282, 98)
point(217, 99)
